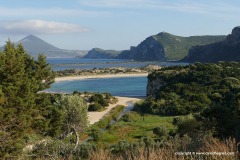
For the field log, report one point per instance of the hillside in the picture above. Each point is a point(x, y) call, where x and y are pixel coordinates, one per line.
point(227, 50)
point(34, 45)
point(165, 46)
point(98, 53)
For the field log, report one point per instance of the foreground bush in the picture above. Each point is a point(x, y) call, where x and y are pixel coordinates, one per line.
point(173, 149)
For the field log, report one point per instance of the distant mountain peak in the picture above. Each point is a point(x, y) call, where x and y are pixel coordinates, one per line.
point(31, 38)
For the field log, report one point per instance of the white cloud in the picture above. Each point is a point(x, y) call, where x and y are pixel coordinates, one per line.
point(38, 27)
point(215, 7)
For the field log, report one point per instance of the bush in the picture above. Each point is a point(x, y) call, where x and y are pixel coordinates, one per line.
point(94, 107)
point(98, 98)
point(160, 131)
point(96, 133)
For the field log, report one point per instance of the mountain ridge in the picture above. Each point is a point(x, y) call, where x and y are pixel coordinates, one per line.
point(160, 47)
point(34, 46)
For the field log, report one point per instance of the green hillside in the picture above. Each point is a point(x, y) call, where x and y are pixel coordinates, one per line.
point(176, 47)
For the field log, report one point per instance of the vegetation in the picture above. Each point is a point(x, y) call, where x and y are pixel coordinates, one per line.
point(195, 110)
point(132, 127)
point(25, 113)
point(95, 71)
point(100, 53)
point(100, 101)
point(112, 115)
point(176, 47)
point(210, 91)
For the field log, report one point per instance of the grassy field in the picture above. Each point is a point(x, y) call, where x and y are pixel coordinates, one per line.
point(134, 127)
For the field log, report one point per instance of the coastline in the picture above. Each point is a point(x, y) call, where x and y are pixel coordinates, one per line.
point(69, 78)
point(94, 117)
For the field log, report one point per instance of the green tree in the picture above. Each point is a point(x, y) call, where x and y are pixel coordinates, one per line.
point(19, 83)
point(75, 115)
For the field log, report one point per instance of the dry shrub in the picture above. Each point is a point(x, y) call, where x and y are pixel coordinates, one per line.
point(210, 148)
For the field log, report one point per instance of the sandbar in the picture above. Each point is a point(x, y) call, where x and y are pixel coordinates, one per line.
point(69, 78)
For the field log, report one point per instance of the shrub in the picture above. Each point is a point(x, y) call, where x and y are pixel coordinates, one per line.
point(94, 107)
point(160, 131)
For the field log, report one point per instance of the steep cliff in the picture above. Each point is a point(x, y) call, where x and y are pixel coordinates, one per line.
point(149, 49)
point(98, 53)
point(227, 50)
point(165, 46)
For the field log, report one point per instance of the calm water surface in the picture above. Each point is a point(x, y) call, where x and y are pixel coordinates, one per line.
point(127, 86)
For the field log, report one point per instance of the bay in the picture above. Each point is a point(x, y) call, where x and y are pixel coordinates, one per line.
point(77, 63)
point(126, 87)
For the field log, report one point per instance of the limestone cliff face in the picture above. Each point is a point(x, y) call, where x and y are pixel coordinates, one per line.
point(155, 82)
point(154, 85)
point(227, 50)
point(149, 49)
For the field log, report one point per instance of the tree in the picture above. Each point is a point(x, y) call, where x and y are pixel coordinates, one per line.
point(1, 96)
point(44, 75)
point(20, 81)
point(76, 115)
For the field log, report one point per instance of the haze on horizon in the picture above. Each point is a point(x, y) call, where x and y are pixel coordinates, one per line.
point(113, 24)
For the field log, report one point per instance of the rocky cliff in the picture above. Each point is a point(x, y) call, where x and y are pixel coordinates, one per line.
point(153, 85)
point(98, 53)
point(226, 50)
point(149, 49)
point(165, 46)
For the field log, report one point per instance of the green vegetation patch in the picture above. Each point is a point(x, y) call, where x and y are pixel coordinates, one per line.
point(176, 47)
point(136, 127)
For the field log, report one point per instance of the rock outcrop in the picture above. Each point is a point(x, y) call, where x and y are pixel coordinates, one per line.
point(153, 85)
point(149, 49)
point(227, 50)
point(165, 46)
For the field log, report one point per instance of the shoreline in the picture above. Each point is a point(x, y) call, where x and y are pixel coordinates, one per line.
point(70, 78)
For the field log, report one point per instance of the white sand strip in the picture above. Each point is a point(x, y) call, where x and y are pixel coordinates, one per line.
point(94, 117)
point(69, 78)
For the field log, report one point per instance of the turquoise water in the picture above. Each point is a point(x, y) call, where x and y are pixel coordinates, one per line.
point(130, 86)
point(127, 86)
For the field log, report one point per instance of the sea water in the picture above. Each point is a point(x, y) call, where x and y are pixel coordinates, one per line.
point(124, 86)
point(77, 63)
point(127, 86)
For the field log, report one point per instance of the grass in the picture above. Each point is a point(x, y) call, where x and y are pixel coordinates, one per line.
point(112, 115)
point(136, 127)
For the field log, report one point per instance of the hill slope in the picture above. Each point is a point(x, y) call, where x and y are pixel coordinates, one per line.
point(98, 53)
point(34, 45)
point(165, 46)
point(227, 50)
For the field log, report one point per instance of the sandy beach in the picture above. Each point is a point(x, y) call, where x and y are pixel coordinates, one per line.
point(69, 78)
point(94, 117)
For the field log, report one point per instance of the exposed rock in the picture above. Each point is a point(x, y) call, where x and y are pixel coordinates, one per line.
point(149, 49)
point(227, 50)
point(153, 86)
point(165, 46)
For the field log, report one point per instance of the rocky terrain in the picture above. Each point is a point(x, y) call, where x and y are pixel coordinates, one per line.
point(227, 50)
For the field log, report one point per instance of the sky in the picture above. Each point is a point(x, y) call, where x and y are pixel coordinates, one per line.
point(113, 24)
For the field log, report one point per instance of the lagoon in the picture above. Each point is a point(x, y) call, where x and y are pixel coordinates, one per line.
point(124, 86)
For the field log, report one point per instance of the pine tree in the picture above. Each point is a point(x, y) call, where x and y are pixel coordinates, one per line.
point(21, 77)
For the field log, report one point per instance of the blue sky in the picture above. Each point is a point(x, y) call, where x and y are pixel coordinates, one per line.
point(113, 24)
